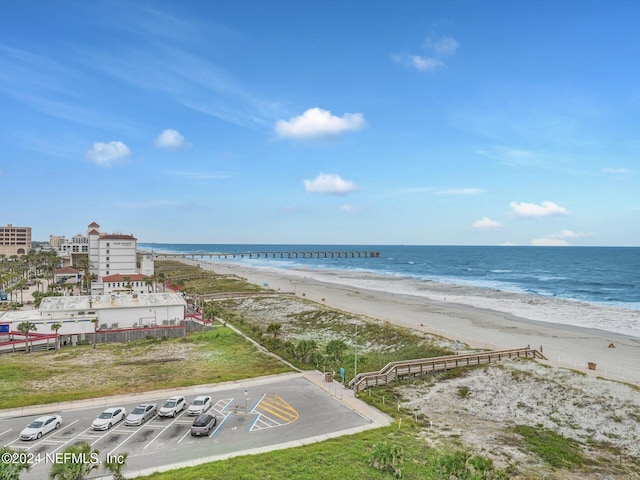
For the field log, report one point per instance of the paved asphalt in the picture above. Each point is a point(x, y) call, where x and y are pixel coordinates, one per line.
point(281, 411)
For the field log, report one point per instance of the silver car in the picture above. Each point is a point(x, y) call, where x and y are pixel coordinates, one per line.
point(141, 414)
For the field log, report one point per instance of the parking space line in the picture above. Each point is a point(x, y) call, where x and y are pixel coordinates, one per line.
point(162, 431)
point(215, 430)
point(253, 409)
point(6, 431)
point(224, 403)
point(133, 432)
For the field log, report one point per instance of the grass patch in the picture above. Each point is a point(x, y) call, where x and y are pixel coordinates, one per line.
point(78, 372)
point(554, 449)
point(349, 457)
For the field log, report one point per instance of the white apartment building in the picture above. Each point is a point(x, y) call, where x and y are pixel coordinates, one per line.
point(110, 254)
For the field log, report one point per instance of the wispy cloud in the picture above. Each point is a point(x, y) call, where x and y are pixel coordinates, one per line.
point(512, 156)
point(106, 154)
point(486, 224)
point(424, 64)
point(348, 208)
point(549, 242)
point(437, 48)
point(197, 176)
point(460, 191)
point(558, 239)
point(147, 204)
point(442, 46)
point(616, 172)
point(317, 123)
point(531, 210)
point(331, 184)
point(569, 234)
point(171, 139)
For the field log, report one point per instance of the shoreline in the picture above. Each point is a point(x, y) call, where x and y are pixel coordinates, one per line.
point(564, 345)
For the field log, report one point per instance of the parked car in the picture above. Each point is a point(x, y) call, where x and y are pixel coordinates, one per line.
point(41, 426)
point(172, 407)
point(203, 424)
point(199, 405)
point(109, 418)
point(141, 414)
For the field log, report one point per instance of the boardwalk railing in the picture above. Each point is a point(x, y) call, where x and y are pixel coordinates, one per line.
point(308, 254)
point(413, 368)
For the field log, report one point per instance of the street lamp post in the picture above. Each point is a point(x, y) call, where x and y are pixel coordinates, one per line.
point(355, 355)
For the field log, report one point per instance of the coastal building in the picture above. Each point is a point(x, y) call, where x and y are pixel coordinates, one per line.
point(14, 240)
point(67, 275)
point(111, 253)
point(86, 313)
point(127, 284)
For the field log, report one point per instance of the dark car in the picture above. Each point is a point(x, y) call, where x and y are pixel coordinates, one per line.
point(203, 424)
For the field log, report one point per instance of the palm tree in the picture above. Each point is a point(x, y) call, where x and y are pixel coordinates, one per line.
point(11, 470)
point(148, 281)
point(24, 328)
point(54, 328)
point(162, 278)
point(78, 462)
point(115, 464)
point(95, 331)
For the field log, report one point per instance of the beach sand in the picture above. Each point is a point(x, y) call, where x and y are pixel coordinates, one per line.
point(564, 345)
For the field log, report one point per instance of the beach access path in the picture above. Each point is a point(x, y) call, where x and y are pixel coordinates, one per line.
point(564, 345)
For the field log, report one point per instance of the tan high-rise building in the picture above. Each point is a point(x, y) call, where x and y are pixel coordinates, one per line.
point(15, 240)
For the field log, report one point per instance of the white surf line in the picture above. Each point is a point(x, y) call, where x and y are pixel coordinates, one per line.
point(55, 432)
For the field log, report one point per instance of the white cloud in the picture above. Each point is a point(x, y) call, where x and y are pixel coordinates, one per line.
point(486, 224)
point(569, 234)
point(348, 208)
point(329, 183)
point(549, 242)
point(170, 139)
point(616, 171)
point(104, 154)
point(442, 47)
point(531, 210)
point(317, 123)
point(424, 64)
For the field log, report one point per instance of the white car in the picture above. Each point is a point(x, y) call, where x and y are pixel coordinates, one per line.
point(199, 405)
point(109, 418)
point(41, 426)
point(172, 407)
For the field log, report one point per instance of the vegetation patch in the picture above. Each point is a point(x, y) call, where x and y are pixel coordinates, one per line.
point(553, 448)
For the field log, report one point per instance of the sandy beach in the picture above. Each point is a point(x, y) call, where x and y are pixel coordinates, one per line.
point(443, 312)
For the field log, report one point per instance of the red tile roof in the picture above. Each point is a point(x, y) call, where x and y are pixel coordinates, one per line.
point(117, 236)
point(119, 277)
point(65, 270)
point(94, 232)
point(93, 225)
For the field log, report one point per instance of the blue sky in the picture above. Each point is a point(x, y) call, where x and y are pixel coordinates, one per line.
point(361, 122)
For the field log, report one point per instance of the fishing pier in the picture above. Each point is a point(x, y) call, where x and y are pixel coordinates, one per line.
point(304, 254)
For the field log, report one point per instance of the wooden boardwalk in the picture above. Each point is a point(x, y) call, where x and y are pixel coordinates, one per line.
point(414, 368)
point(284, 254)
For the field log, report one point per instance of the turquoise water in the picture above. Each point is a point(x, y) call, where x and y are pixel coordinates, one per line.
point(601, 275)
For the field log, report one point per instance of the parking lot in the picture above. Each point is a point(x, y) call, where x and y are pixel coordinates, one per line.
point(250, 416)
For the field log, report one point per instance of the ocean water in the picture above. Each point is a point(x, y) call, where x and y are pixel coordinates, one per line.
point(594, 287)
